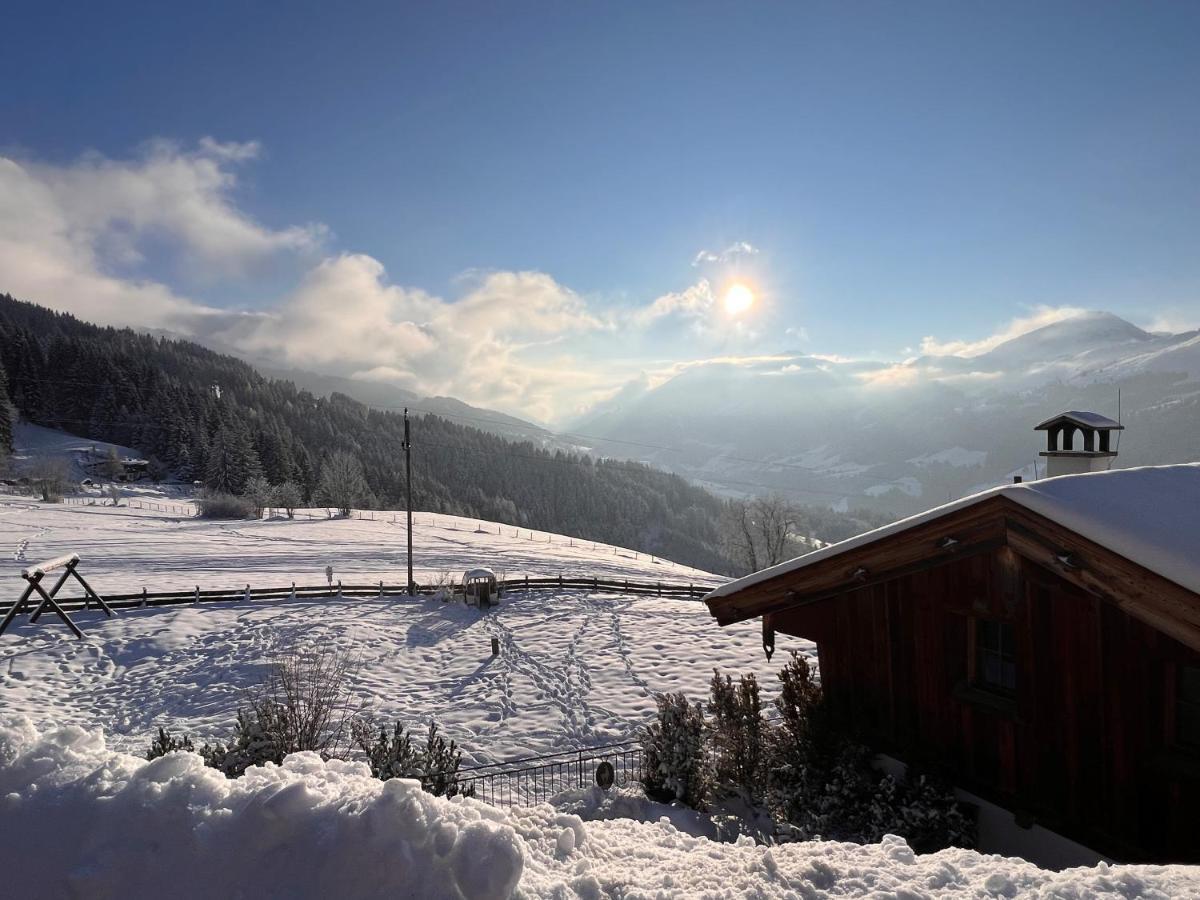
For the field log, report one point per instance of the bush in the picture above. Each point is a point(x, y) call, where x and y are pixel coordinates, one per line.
point(737, 735)
point(167, 743)
point(674, 756)
point(822, 783)
point(216, 504)
point(395, 756)
point(304, 704)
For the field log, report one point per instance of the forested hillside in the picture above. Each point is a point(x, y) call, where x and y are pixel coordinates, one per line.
point(212, 418)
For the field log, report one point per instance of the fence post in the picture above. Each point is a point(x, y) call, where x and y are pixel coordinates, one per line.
point(143, 595)
point(660, 589)
point(292, 596)
point(247, 597)
point(526, 582)
point(380, 590)
point(197, 598)
point(339, 593)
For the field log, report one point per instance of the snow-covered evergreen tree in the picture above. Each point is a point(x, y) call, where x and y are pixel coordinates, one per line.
point(674, 755)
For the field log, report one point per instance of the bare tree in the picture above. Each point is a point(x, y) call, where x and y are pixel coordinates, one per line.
point(258, 493)
point(760, 533)
point(777, 520)
point(288, 496)
point(342, 484)
point(49, 477)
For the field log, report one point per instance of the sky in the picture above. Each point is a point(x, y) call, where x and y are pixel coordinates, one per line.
point(530, 206)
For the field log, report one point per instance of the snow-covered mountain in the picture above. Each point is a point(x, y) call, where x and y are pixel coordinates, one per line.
point(904, 435)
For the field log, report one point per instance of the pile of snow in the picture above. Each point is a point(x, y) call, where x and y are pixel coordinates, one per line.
point(81, 820)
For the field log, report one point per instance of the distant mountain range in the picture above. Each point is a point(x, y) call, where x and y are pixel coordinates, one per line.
point(389, 397)
point(901, 437)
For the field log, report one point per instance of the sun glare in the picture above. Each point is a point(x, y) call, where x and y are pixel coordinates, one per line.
point(738, 299)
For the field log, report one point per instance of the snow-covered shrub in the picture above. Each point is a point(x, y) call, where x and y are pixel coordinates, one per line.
point(259, 494)
point(674, 755)
point(304, 704)
point(389, 755)
point(821, 782)
point(216, 504)
point(395, 756)
point(167, 743)
point(737, 733)
point(442, 761)
point(289, 496)
point(254, 742)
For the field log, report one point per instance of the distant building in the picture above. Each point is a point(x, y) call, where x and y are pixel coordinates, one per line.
point(1038, 644)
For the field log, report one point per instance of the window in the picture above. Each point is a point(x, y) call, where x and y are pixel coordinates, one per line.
point(995, 656)
point(1187, 706)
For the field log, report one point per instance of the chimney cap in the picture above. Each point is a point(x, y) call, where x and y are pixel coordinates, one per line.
point(1082, 420)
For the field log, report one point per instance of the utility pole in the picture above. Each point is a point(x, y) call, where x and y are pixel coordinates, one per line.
point(408, 503)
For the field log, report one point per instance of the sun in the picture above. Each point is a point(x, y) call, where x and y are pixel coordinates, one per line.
point(738, 299)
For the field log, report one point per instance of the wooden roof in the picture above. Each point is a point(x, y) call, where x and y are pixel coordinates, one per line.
point(994, 521)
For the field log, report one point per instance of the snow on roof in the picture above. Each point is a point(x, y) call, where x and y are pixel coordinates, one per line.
point(1086, 419)
point(479, 573)
point(1148, 515)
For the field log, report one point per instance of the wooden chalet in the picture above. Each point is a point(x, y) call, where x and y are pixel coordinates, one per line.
point(1038, 644)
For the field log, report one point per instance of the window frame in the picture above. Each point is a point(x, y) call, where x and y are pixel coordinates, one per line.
point(1004, 651)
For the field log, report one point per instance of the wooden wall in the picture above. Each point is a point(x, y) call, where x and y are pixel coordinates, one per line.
point(1085, 748)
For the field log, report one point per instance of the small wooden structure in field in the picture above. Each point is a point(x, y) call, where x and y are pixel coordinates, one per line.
point(480, 587)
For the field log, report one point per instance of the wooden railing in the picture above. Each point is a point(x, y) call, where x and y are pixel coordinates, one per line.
point(663, 589)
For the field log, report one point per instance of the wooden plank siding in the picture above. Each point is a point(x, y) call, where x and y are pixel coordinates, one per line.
point(1085, 747)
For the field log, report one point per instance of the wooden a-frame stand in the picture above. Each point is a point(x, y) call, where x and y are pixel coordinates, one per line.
point(34, 576)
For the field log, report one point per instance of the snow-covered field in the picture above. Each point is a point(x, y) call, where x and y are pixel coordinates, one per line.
point(575, 668)
point(97, 824)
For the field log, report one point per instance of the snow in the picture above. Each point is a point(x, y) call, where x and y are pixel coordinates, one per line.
point(1150, 515)
point(33, 444)
point(576, 668)
point(82, 820)
point(130, 547)
point(906, 485)
point(959, 457)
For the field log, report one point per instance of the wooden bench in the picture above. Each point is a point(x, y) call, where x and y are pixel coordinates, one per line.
point(34, 575)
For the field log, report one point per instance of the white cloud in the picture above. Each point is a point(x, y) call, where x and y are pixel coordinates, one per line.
point(733, 251)
point(1174, 321)
point(696, 302)
point(346, 318)
point(72, 236)
point(1041, 316)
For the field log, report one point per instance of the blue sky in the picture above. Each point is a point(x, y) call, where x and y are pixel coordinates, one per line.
point(902, 171)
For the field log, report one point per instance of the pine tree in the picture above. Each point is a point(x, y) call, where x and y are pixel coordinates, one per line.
point(7, 418)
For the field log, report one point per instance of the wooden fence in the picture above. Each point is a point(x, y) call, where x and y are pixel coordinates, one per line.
point(380, 589)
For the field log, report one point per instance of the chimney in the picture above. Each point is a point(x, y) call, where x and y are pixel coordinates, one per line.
point(1078, 442)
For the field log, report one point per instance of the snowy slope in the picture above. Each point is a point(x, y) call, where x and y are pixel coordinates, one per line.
point(575, 668)
point(102, 825)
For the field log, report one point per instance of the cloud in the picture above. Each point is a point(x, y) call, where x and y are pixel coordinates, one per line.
point(346, 318)
point(73, 236)
point(733, 251)
point(1040, 317)
point(1174, 321)
point(695, 302)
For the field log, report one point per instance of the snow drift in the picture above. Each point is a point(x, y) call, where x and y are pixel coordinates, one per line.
point(81, 820)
